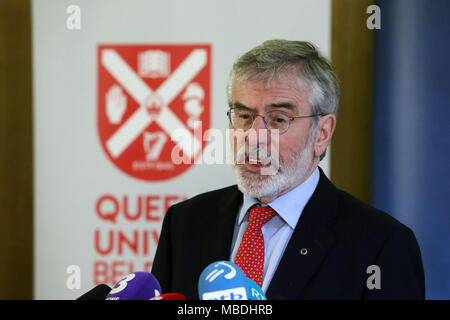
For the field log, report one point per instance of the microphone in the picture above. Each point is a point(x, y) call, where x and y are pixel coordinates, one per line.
point(170, 296)
point(135, 286)
point(254, 292)
point(97, 293)
point(223, 280)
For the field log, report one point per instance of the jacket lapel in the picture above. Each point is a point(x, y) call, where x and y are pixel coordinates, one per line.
point(218, 232)
point(309, 244)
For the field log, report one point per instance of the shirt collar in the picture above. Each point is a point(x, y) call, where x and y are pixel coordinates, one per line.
point(290, 205)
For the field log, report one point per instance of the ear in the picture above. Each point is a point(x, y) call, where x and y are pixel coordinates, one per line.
point(324, 132)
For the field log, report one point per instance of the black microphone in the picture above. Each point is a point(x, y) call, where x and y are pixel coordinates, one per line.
point(97, 293)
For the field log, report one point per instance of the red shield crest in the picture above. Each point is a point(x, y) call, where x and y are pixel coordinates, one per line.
point(146, 93)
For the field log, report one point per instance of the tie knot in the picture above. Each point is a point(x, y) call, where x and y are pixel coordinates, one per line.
point(259, 216)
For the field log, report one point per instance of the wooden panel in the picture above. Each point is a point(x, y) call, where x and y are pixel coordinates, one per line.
point(16, 172)
point(352, 56)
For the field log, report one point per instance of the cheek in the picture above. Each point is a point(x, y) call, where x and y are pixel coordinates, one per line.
point(236, 140)
point(289, 148)
point(286, 152)
point(291, 142)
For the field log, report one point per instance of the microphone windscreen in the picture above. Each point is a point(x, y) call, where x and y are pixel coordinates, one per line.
point(170, 296)
point(135, 286)
point(254, 292)
point(222, 280)
point(97, 293)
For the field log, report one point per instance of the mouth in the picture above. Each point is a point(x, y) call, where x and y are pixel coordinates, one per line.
point(256, 164)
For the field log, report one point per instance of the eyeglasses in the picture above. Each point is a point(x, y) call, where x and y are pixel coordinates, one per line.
point(241, 118)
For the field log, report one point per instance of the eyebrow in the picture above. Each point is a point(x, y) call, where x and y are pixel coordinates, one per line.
point(284, 105)
point(240, 105)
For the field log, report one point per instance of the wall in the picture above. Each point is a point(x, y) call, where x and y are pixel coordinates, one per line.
point(411, 128)
point(72, 169)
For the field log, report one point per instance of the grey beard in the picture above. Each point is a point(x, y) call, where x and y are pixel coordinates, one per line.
point(271, 186)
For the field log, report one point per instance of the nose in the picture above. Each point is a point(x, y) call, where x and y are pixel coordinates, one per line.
point(258, 123)
point(261, 133)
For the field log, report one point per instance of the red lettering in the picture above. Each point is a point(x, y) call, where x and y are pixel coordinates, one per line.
point(112, 272)
point(150, 208)
point(126, 211)
point(132, 245)
point(107, 214)
point(110, 242)
point(139, 242)
point(155, 236)
point(100, 272)
point(154, 207)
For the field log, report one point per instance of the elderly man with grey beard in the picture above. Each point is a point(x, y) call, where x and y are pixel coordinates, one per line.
point(289, 228)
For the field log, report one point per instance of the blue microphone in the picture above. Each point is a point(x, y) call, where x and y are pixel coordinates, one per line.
point(135, 286)
point(223, 280)
point(254, 292)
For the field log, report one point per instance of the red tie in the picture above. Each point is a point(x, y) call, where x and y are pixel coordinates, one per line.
point(250, 255)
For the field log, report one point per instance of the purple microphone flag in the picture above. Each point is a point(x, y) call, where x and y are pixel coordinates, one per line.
point(135, 286)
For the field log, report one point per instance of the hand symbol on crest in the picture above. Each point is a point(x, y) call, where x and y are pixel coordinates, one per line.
point(116, 104)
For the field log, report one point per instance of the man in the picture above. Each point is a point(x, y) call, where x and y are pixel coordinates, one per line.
point(312, 240)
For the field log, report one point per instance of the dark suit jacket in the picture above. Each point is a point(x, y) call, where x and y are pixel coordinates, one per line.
point(343, 237)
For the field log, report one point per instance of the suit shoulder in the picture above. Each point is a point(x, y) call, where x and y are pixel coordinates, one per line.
point(211, 199)
point(210, 196)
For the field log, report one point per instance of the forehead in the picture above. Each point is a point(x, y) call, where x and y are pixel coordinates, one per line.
point(258, 94)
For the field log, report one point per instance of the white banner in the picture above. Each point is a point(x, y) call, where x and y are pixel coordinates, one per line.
point(114, 83)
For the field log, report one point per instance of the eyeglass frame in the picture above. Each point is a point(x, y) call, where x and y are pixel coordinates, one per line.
point(254, 115)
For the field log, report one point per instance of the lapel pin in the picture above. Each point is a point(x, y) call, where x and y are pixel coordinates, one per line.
point(304, 251)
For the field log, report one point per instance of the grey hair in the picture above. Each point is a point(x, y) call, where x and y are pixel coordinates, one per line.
point(275, 58)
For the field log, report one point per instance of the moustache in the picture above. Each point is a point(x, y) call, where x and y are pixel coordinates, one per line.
point(259, 155)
